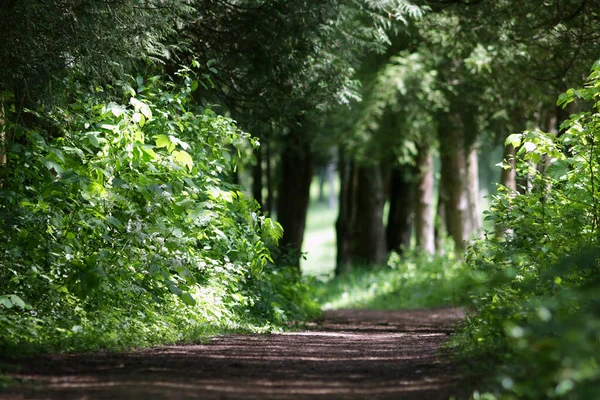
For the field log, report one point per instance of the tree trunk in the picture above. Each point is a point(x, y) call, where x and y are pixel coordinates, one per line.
point(346, 214)
point(441, 232)
point(257, 176)
point(424, 216)
point(454, 177)
point(402, 202)
point(331, 200)
point(294, 192)
point(368, 247)
point(321, 173)
point(474, 226)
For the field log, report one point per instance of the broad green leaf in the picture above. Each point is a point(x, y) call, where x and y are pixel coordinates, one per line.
point(92, 139)
point(559, 170)
point(514, 140)
point(114, 222)
point(5, 301)
point(52, 166)
point(164, 141)
point(182, 157)
point(17, 301)
point(188, 299)
point(151, 154)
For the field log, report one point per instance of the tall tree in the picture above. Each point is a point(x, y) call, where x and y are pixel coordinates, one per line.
point(424, 200)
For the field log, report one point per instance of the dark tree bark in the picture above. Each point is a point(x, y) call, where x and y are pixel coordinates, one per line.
point(257, 177)
point(424, 213)
point(441, 232)
point(402, 205)
point(346, 214)
point(322, 176)
point(331, 200)
point(369, 247)
point(293, 194)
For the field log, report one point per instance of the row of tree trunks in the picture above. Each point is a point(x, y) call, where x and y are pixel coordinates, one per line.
point(362, 237)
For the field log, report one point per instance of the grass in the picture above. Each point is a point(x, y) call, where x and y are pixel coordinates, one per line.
point(319, 240)
point(411, 282)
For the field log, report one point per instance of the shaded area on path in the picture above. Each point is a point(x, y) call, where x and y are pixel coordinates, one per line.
point(350, 354)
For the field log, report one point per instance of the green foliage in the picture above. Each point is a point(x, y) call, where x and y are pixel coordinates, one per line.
point(46, 40)
point(126, 230)
point(414, 280)
point(538, 313)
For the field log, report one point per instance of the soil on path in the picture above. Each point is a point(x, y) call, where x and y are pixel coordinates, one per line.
point(350, 354)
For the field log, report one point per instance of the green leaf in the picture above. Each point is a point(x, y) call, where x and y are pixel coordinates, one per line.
point(150, 155)
point(164, 141)
point(182, 157)
point(5, 301)
point(514, 140)
point(92, 139)
point(114, 222)
point(52, 166)
point(559, 170)
point(17, 301)
point(188, 299)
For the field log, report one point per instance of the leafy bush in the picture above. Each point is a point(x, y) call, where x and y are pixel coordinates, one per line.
point(538, 315)
point(125, 230)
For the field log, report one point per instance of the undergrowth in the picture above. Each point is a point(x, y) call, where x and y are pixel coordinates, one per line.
point(122, 227)
point(537, 315)
point(411, 281)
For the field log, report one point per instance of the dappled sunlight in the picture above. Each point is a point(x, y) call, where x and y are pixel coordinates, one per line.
point(348, 354)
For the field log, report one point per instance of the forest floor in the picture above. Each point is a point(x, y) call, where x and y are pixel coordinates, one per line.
point(349, 354)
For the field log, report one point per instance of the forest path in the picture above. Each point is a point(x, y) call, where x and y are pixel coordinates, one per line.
point(350, 354)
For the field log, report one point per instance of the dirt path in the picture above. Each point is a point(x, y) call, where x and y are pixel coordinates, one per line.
point(351, 354)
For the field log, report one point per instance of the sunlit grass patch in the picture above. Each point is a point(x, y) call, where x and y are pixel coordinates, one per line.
point(409, 282)
point(319, 240)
